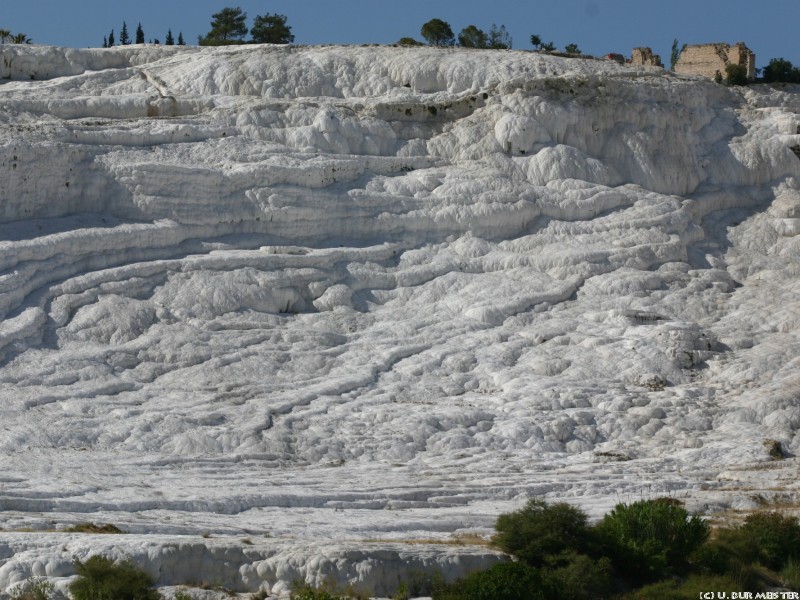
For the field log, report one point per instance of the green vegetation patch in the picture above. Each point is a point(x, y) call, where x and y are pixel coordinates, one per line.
point(100, 578)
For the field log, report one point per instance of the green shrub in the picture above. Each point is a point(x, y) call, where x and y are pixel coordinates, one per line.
point(312, 594)
point(736, 75)
point(662, 590)
point(734, 553)
point(698, 584)
point(304, 591)
point(712, 558)
point(579, 578)
point(99, 578)
point(34, 588)
point(790, 576)
point(646, 538)
point(690, 589)
point(539, 533)
point(731, 551)
point(715, 559)
point(408, 41)
point(423, 583)
point(504, 581)
point(781, 70)
point(401, 593)
point(777, 537)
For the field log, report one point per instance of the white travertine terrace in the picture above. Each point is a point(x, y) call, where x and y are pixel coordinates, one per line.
point(337, 299)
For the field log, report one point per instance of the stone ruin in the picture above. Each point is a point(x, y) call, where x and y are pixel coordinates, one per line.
point(645, 57)
point(710, 60)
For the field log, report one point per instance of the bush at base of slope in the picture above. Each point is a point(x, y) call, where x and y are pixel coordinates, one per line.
point(100, 578)
point(505, 581)
point(651, 539)
point(540, 531)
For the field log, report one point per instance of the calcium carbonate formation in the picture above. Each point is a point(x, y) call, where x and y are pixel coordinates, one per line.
point(333, 300)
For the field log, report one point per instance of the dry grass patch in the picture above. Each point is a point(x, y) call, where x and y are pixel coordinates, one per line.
point(93, 528)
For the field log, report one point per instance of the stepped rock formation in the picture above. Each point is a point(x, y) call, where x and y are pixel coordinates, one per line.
point(331, 300)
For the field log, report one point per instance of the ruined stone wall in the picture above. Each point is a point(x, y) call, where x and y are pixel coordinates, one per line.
point(742, 55)
point(645, 56)
point(709, 60)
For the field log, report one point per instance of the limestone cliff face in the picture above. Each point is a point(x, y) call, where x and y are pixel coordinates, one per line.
point(293, 290)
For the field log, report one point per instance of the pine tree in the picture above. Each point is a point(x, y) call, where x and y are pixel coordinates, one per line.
point(105, 42)
point(472, 37)
point(228, 27)
point(170, 41)
point(180, 39)
point(111, 39)
point(271, 29)
point(124, 40)
point(139, 34)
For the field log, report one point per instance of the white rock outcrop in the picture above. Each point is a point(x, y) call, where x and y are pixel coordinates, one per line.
point(354, 297)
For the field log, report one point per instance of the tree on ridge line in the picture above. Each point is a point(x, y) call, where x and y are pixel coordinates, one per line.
point(227, 27)
point(438, 33)
point(472, 37)
point(109, 41)
point(498, 38)
point(271, 29)
point(20, 38)
point(124, 39)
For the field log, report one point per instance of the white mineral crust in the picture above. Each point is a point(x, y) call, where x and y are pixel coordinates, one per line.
point(334, 300)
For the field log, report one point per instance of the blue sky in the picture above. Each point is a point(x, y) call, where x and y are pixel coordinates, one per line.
point(598, 27)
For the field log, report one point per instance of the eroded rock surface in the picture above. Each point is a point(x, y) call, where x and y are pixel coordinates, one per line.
point(340, 294)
